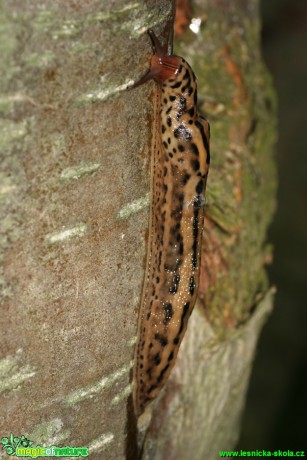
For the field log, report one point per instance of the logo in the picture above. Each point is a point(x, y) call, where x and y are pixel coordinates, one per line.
point(22, 447)
point(10, 444)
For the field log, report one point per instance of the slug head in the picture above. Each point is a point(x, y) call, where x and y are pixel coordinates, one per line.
point(163, 66)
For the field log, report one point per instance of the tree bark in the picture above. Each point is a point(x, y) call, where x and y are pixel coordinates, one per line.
point(75, 207)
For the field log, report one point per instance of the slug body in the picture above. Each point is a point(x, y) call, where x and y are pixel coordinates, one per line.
point(180, 168)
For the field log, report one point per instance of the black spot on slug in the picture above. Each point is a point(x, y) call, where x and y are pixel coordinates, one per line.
point(195, 165)
point(195, 98)
point(178, 263)
point(175, 228)
point(162, 373)
point(161, 339)
point(176, 85)
point(183, 132)
point(186, 178)
point(183, 104)
point(184, 313)
point(192, 285)
point(195, 236)
point(177, 132)
point(157, 359)
point(173, 289)
point(180, 197)
point(199, 187)
point(194, 149)
point(185, 309)
point(186, 75)
point(150, 389)
point(169, 121)
point(204, 137)
point(168, 312)
point(195, 228)
point(194, 261)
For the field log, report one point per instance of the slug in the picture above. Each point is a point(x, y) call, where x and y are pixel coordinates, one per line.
point(180, 165)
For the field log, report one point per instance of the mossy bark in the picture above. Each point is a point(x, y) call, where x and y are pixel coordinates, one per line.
point(75, 192)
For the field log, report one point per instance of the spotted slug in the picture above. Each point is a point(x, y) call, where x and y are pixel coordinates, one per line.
point(180, 165)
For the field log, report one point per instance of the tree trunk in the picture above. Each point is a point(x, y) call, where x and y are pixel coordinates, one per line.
point(75, 207)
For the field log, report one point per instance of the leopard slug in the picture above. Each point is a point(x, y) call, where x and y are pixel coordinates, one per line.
point(179, 172)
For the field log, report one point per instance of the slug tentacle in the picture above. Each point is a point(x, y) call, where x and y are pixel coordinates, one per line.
point(180, 165)
point(162, 65)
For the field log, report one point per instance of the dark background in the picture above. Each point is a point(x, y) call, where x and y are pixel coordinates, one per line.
point(275, 415)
